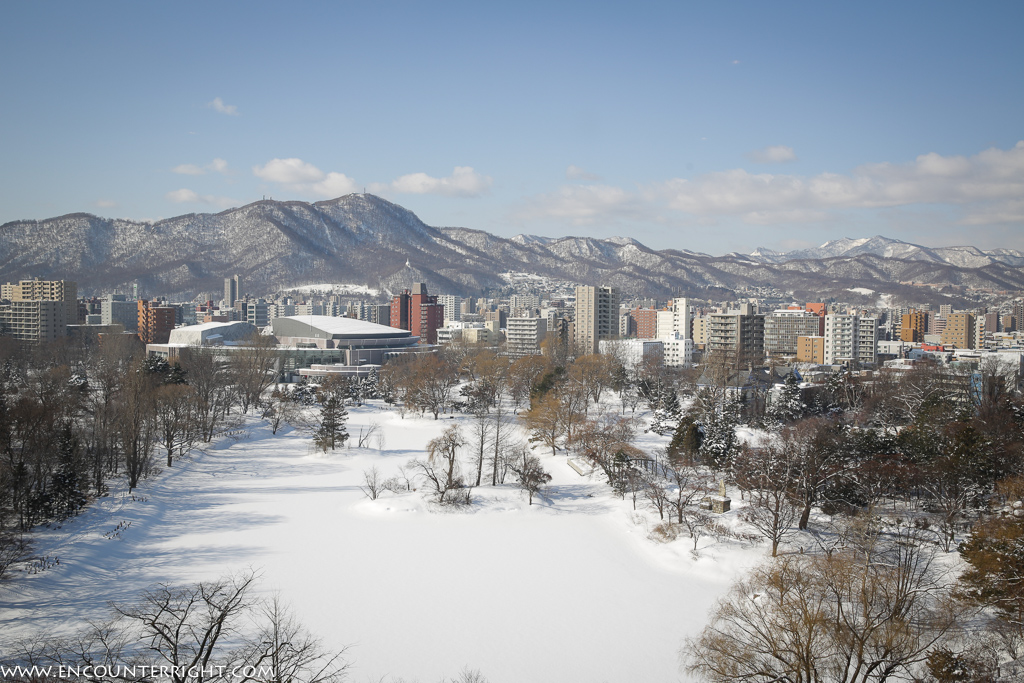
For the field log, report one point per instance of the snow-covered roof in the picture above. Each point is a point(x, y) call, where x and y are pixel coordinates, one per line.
point(208, 332)
point(330, 326)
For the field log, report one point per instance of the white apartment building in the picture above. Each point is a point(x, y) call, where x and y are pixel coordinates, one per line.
point(664, 326)
point(677, 351)
point(452, 306)
point(34, 320)
point(522, 301)
point(850, 339)
point(523, 336)
point(675, 319)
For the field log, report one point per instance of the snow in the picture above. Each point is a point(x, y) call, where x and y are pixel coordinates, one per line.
point(337, 288)
point(569, 589)
point(346, 327)
point(861, 290)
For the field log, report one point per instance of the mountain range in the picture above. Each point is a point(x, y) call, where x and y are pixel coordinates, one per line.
point(363, 239)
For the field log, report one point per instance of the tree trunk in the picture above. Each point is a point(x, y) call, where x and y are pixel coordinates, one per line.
point(805, 516)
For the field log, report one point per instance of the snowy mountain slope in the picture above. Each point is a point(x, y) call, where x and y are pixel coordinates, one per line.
point(367, 240)
point(961, 257)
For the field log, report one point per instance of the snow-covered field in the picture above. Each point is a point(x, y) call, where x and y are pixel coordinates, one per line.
point(569, 589)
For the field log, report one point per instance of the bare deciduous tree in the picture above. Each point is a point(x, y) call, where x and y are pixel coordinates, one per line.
point(871, 612)
point(373, 484)
point(529, 471)
point(442, 470)
point(767, 473)
point(283, 651)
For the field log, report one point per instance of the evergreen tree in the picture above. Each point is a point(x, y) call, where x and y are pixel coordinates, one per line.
point(719, 436)
point(667, 413)
point(330, 431)
point(787, 404)
point(686, 441)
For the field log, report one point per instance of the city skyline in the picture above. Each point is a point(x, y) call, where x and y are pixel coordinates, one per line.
point(709, 128)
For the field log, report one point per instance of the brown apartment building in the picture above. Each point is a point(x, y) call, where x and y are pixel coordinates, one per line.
point(155, 322)
point(959, 331)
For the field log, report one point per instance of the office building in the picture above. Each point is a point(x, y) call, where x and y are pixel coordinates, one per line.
point(783, 328)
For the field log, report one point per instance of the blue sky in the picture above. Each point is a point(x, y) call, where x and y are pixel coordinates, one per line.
point(704, 126)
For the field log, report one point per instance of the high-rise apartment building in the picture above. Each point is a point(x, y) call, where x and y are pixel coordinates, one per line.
point(913, 326)
point(400, 310)
point(232, 290)
point(700, 331)
point(418, 312)
point(65, 291)
point(452, 306)
point(851, 339)
point(645, 323)
point(115, 309)
point(736, 336)
point(597, 317)
point(524, 301)
point(425, 314)
point(991, 323)
point(33, 321)
point(680, 319)
point(523, 336)
point(259, 313)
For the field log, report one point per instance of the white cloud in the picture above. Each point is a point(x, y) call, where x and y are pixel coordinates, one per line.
point(577, 173)
point(105, 203)
point(993, 175)
point(985, 189)
point(188, 169)
point(217, 165)
point(335, 185)
point(776, 154)
point(463, 182)
point(186, 196)
point(218, 106)
point(583, 204)
point(302, 177)
point(288, 172)
point(182, 196)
